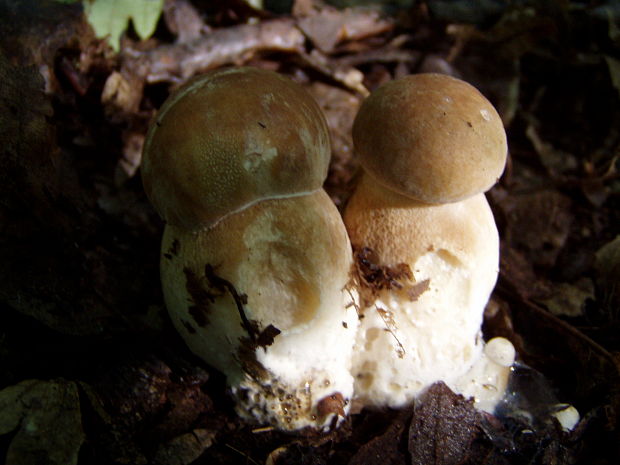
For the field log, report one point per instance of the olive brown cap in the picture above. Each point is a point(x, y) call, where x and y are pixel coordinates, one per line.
point(430, 137)
point(231, 138)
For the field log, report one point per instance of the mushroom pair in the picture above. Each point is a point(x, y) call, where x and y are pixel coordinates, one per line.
point(256, 263)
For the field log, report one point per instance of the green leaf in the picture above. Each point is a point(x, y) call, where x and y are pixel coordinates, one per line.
point(110, 18)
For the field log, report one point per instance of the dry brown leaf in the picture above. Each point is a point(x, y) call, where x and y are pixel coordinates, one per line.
point(328, 27)
point(386, 448)
point(444, 425)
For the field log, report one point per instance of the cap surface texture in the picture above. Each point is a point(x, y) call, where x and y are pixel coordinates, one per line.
point(431, 137)
point(231, 138)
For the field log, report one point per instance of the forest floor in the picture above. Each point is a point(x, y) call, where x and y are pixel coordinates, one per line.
point(92, 372)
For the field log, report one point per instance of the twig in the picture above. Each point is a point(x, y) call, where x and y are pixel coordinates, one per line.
point(243, 454)
point(231, 45)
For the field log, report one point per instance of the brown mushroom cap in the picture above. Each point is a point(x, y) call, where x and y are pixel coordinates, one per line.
point(430, 137)
point(231, 138)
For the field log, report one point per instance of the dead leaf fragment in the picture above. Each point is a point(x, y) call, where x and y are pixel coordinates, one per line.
point(608, 272)
point(556, 161)
point(386, 448)
point(117, 95)
point(184, 449)
point(568, 299)
point(444, 425)
point(46, 418)
point(184, 20)
point(340, 108)
point(329, 26)
point(133, 141)
point(538, 224)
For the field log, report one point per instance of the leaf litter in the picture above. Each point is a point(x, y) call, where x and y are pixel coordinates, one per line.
point(76, 223)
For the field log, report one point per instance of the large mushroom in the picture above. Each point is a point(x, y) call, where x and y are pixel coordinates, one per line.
point(255, 257)
point(425, 239)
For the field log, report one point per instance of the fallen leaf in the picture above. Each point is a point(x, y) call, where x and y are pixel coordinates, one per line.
point(184, 449)
point(183, 19)
point(538, 224)
point(46, 418)
point(444, 425)
point(608, 274)
point(328, 27)
point(568, 299)
point(385, 449)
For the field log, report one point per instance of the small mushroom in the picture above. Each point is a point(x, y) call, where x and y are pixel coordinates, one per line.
point(430, 137)
point(486, 382)
point(255, 256)
point(567, 416)
point(429, 146)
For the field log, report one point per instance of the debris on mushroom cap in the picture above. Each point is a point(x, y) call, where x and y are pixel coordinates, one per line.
point(260, 296)
point(230, 138)
point(407, 342)
point(430, 137)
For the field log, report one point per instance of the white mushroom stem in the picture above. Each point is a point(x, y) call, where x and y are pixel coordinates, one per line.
point(408, 341)
point(261, 297)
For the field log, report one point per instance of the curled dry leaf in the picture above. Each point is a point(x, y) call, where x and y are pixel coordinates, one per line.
point(556, 161)
point(128, 165)
point(548, 216)
point(184, 449)
point(183, 19)
point(118, 96)
point(328, 27)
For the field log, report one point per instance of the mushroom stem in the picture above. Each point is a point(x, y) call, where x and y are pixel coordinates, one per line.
point(267, 306)
point(434, 333)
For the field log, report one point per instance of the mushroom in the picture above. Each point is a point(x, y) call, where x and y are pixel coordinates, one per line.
point(425, 238)
point(255, 257)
